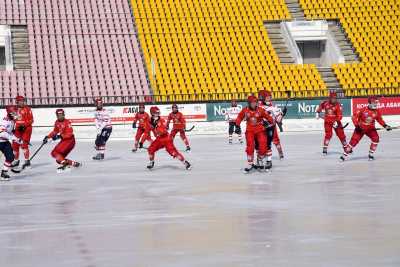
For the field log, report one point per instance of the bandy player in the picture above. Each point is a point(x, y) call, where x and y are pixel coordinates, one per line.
point(332, 120)
point(6, 137)
point(23, 131)
point(62, 131)
point(142, 134)
point(265, 98)
point(179, 125)
point(231, 115)
point(255, 132)
point(364, 122)
point(163, 139)
point(104, 129)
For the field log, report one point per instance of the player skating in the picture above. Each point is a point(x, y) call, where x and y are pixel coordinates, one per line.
point(332, 120)
point(62, 130)
point(231, 115)
point(23, 131)
point(364, 122)
point(179, 125)
point(103, 127)
point(163, 139)
point(265, 98)
point(142, 134)
point(6, 137)
point(255, 116)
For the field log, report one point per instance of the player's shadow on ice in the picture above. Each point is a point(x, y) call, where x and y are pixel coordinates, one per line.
point(170, 167)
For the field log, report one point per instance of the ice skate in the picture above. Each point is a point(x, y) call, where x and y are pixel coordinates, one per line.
point(324, 151)
point(4, 176)
point(26, 164)
point(249, 169)
point(99, 156)
point(187, 149)
point(188, 166)
point(371, 157)
point(15, 163)
point(150, 166)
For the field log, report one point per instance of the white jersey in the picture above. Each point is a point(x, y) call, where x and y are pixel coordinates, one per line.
point(102, 119)
point(275, 112)
point(232, 113)
point(6, 130)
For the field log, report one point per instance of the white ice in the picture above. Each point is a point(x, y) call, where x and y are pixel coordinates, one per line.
point(310, 211)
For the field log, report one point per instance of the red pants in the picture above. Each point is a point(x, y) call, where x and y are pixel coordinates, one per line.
point(142, 136)
point(276, 139)
point(358, 135)
point(25, 136)
point(182, 134)
point(251, 138)
point(62, 149)
point(167, 143)
point(329, 133)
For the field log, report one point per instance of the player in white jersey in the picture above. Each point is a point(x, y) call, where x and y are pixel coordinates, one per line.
point(104, 129)
point(7, 126)
point(276, 113)
point(231, 115)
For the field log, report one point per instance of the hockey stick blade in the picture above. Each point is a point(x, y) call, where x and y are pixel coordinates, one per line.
point(393, 128)
point(190, 129)
point(343, 127)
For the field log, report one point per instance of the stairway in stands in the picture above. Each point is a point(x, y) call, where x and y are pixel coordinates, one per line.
point(278, 42)
point(295, 9)
point(344, 43)
point(20, 47)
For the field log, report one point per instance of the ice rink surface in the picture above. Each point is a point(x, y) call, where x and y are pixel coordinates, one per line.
point(310, 211)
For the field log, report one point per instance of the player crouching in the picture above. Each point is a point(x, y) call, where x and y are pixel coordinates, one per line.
point(364, 122)
point(104, 129)
point(62, 130)
point(6, 136)
point(163, 139)
point(255, 116)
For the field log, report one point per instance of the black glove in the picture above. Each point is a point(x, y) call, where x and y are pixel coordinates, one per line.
point(21, 128)
point(284, 111)
point(45, 140)
point(388, 128)
point(134, 125)
point(359, 129)
point(56, 137)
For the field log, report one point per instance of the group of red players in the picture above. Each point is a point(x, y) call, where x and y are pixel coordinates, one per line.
point(364, 123)
point(261, 117)
point(157, 125)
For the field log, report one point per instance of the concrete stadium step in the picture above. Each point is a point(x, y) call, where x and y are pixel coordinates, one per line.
point(330, 79)
point(296, 11)
point(20, 47)
point(344, 43)
point(278, 42)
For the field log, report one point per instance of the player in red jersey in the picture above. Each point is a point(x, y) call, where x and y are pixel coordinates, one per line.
point(23, 131)
point(163, 139)
point(364, 122)
point(255, 117)
point(332, 120)
point(62, 130)
point(142, 134)
point(179, 125)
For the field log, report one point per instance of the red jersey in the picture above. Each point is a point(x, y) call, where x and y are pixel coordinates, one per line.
point(178, 120)
point(254, 119)
point(158, 127)
point(63, 128)
point(142, 118)
point(333, 112)
point(365, 118)
point(25, 117)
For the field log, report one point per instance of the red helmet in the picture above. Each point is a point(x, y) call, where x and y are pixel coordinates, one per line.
point(332, 95)
point(154, 110)
point(373, 102)
point(98, 100)
point(252, 99)
point(12, 112)
point(60, 111)
point(20, 98)
point(263, 94)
